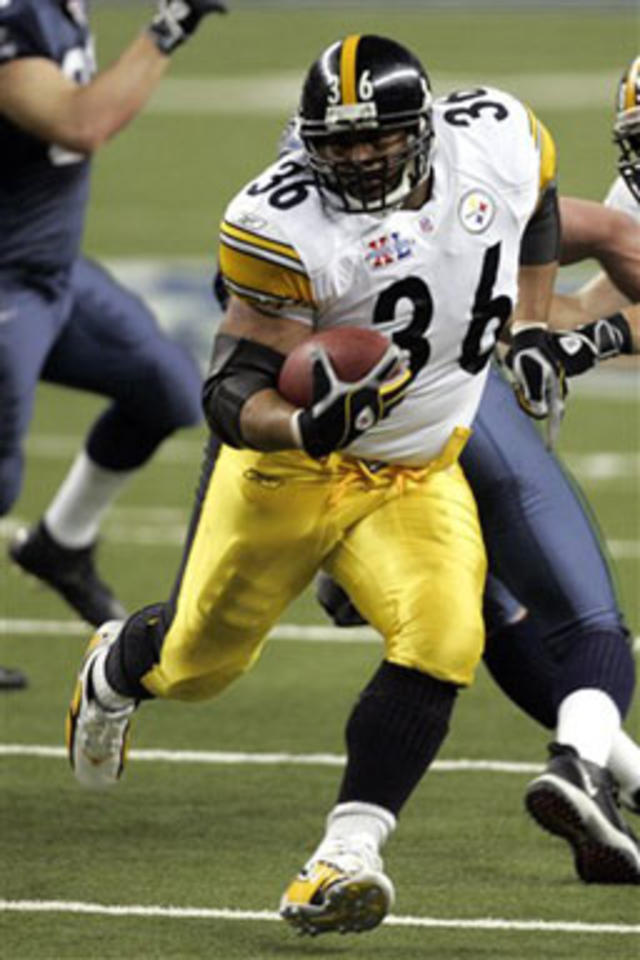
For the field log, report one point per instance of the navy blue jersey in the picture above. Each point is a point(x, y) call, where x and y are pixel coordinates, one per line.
point(43, 188)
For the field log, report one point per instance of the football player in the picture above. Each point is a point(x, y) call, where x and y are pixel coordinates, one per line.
point(63, 318)
point(611, 235)
point(363, 226)
point(539, 538)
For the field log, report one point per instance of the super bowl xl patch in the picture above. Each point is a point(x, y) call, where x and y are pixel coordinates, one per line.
point(388, 249)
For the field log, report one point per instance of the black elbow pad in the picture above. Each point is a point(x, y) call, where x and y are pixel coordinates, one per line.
point(239, 368)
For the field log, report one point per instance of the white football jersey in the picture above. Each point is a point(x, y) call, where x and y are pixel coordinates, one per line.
point(441, 280)
point(621, 198)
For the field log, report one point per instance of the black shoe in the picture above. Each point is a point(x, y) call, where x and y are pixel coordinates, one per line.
point(11, 679)
point(336, 603)
point(631, 800)
point(576, 800)
point(71, 572)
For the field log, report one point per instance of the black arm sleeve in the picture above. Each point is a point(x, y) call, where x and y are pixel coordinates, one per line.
point(541, 238)
point(239, 368)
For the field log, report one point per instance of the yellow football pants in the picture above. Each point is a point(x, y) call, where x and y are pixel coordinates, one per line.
point(404, 542)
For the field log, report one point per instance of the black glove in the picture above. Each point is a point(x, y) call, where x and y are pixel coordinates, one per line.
point(176, 20)
point(580, 349)
point(342, 410)
point(538, 374)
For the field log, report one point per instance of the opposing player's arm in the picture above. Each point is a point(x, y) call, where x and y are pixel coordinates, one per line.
point(36, 95)
point(612, 238)
point(603, 322)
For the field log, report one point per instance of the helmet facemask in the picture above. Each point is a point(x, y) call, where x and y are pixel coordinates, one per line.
point(381, 181)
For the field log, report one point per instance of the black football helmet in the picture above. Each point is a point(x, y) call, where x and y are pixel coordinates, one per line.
point(626, 129)
point(366, 89)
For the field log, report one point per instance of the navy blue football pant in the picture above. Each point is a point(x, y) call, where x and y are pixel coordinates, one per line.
point(83, 330)
point(544, 555)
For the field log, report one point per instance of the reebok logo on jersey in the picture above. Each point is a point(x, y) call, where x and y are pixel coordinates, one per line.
point(251, 222)
point(388, 249)
point(476, 211)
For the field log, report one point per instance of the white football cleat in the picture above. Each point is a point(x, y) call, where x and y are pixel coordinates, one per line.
point(96, 738)
point(345, 893)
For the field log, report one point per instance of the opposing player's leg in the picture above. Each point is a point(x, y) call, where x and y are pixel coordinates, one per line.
point(111, 345)
point(30, 319)
point(540, 539)
point(415, 568)
point(570, 665)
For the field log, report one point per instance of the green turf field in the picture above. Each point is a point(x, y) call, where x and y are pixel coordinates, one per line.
point(217, 835)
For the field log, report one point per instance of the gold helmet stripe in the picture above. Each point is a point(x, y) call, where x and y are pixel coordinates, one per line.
point(631, 88)
point(348, 87)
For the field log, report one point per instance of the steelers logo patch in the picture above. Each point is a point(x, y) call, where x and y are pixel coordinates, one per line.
point(476, 211)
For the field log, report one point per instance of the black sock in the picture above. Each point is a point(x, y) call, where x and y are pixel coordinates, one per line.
point(137, 650)
point(524, 669)
point(393, 734)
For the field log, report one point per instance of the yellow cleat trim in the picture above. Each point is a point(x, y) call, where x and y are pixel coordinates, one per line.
point(345, 904)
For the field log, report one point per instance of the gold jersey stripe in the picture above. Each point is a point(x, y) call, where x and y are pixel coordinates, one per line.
point(533, 124)
point(631, 85)
point(348, 68)
point(269, 280)
point(548, 160)
point(256, 240)
point(546, 149)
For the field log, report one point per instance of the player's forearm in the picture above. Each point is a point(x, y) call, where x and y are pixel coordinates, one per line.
point(266, 422)
point(612, 237)
point(535, 291)
point(599, 297)
point(567, 312)
point(37, 96)
point(622, 267)
point(632, 316)
point(115, 96)
point(240, 397)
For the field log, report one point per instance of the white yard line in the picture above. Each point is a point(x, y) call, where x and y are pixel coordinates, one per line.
point(225, 913)
point(141, 529)
point(283, 631)
point(237, 758)
point(601, 465)
point(293, 632)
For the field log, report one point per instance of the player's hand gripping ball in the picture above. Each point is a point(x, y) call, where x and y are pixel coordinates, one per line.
point(344, 380)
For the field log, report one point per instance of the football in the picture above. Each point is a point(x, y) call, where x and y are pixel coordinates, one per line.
point(353, 351)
